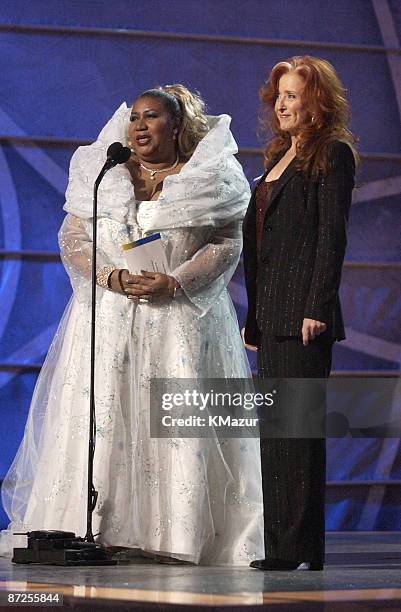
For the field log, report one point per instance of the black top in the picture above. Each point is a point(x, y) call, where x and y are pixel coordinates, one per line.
point(263, 195)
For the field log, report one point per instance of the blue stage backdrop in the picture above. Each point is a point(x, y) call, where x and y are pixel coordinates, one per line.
point(66, 65)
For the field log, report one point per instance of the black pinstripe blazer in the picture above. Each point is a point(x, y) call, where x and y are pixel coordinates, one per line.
point(303, 247)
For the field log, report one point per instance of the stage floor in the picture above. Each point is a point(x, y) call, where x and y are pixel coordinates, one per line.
point(363, 572)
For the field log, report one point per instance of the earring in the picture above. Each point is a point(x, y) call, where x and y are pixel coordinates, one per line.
point(129, 143)
point(312, 119)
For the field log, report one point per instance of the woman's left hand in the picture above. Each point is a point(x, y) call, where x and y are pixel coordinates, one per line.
point(311, 329)
point(152, 285)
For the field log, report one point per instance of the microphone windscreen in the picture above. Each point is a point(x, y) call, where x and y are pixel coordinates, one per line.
point(124, 155)
point(114, 150)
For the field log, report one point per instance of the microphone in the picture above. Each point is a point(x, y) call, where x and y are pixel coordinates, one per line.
point(117, 154)
point(113, 150)
point(124, 155)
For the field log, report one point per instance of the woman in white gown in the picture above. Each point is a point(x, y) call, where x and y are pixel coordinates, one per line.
point(197, 500)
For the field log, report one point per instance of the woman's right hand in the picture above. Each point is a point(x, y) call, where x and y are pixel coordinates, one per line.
point(249, 347)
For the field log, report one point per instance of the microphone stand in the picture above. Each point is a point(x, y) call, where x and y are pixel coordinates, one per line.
point(116, 154)
point(63, 547)
point(92, 494)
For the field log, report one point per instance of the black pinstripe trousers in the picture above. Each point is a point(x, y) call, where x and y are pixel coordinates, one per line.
point(294, 469)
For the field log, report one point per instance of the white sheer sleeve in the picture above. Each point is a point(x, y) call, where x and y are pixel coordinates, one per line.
point(76, 254)
point(208, 272)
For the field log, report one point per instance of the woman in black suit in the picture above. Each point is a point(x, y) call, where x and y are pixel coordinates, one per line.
point(294, 245)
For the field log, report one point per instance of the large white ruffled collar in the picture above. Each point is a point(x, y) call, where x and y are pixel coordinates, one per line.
point(211, 188)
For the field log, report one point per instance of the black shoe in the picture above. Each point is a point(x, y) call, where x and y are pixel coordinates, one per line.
point(280, 565)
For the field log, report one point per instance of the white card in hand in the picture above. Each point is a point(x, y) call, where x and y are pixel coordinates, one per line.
point(146, 254)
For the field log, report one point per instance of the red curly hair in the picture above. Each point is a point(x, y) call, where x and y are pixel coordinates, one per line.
point(327, 108)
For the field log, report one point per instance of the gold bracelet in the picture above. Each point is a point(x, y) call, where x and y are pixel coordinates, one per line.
point(102, 276)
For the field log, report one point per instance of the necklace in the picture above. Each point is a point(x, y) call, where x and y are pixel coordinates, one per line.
point(153, 172)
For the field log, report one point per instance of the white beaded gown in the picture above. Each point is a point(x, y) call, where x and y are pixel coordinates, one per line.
point(199, 500)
